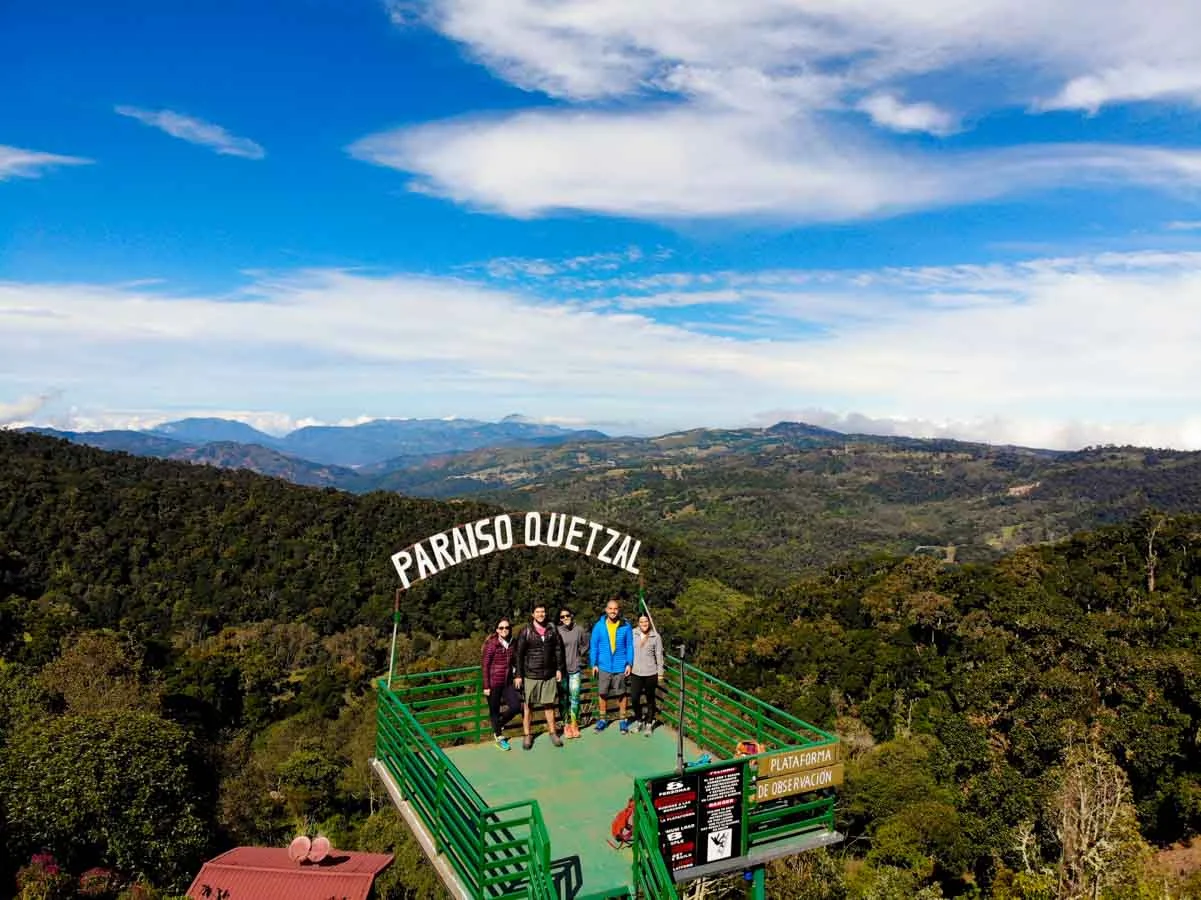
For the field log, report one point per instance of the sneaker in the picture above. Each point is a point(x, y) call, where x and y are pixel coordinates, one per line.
point(625, 726)
point(502, 742)
point(556, 740)
point(573, 730)
point(648, 729)
point(636, 727)
point(528, 742)
point(601, 724)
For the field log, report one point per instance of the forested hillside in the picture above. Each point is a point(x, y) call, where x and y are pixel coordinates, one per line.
point(187, 654)
point(199, 644)
point(994, 712)
point(787, 502)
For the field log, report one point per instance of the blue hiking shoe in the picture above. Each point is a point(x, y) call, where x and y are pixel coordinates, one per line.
point(502, 742)
point(625, 726)
point(601, 724)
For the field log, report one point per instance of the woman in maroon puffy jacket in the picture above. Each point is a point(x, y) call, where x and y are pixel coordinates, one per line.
point(497, 662)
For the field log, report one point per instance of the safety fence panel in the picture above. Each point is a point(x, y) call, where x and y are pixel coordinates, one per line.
point(652, 880)
point(498, 853)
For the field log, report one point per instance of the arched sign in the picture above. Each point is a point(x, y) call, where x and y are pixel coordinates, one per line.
point(440, 551)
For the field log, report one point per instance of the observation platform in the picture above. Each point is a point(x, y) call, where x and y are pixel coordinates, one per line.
point(535, 824)
point(579, 788)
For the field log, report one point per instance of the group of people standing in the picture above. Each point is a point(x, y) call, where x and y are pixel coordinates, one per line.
point(542, 669)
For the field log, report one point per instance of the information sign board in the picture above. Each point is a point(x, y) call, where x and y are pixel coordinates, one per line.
point(719, 813)
point(674, 799)
point(700, 816)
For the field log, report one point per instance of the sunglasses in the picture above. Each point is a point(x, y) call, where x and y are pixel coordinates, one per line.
point(564, 618)
point(502, 627)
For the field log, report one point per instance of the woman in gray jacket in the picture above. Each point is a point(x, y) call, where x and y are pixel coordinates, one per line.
point(645, 675)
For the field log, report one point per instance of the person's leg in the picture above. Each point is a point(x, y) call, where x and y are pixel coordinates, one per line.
point(604, 689)
point(635, 683)
point(573, 696)
point(624, 685)
point(527, 715)
point(494, 700)
point(652, 702)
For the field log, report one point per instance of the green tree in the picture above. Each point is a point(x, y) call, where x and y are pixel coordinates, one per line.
point(121, 788)
point(411, 876)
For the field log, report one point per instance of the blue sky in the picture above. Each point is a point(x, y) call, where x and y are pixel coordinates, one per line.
point(643, 215)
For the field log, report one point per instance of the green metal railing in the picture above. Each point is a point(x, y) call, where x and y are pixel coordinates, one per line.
point(717, 716)
point(503, 852)
point(652, 880)
point(499, 852)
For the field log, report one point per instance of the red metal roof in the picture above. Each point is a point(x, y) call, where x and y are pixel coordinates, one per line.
point(267, 873)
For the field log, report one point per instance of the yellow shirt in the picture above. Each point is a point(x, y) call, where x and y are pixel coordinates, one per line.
point(612, 626)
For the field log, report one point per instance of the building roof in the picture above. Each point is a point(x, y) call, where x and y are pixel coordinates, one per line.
point(268, 873)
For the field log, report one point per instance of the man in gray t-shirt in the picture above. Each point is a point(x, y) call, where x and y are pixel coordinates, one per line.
point(575, 652)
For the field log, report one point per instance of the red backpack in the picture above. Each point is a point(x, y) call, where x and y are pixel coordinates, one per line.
point(622, 828)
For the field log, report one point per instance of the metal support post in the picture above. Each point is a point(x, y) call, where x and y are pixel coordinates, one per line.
point(758, 883)
point(680, 731)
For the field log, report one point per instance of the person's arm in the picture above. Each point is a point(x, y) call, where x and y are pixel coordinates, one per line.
point(486, 664)
point(560, 656)
point(519, 658)
point(628, 652)
point(593, 650)
point(584, 648)
point(662, 656)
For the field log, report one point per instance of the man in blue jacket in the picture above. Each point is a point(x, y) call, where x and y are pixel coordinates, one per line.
point(612, 653)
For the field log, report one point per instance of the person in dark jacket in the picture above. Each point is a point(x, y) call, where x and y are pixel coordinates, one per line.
point(497, 664)
point(538, 661)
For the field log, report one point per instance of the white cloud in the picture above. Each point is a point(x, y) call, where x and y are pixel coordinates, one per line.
point(76, 418)
point(23, 407)
point(1049, 434)
point(195, 131)
point(667, 299)
point(717, 102)
point(18, 163)
point(1131, 83)
point(889, 112)
point(403, 13)
point(688, 163)
point(1183, 226)
point(515, 267)
point(1109, 341)
point(587, 49)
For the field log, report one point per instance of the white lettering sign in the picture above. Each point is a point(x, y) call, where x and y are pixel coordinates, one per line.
point(800, 783)
point(798, 760)
point(440, 551)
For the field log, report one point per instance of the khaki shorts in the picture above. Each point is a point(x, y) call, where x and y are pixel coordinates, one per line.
point(540, 692)
point(611, 684)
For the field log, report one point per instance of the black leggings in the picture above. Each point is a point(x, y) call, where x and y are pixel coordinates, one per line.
point(496, 699)
point(644, 686)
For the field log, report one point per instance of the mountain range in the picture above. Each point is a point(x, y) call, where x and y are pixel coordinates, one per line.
point(771, 502)
point(793, 498)
point(326, 455)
